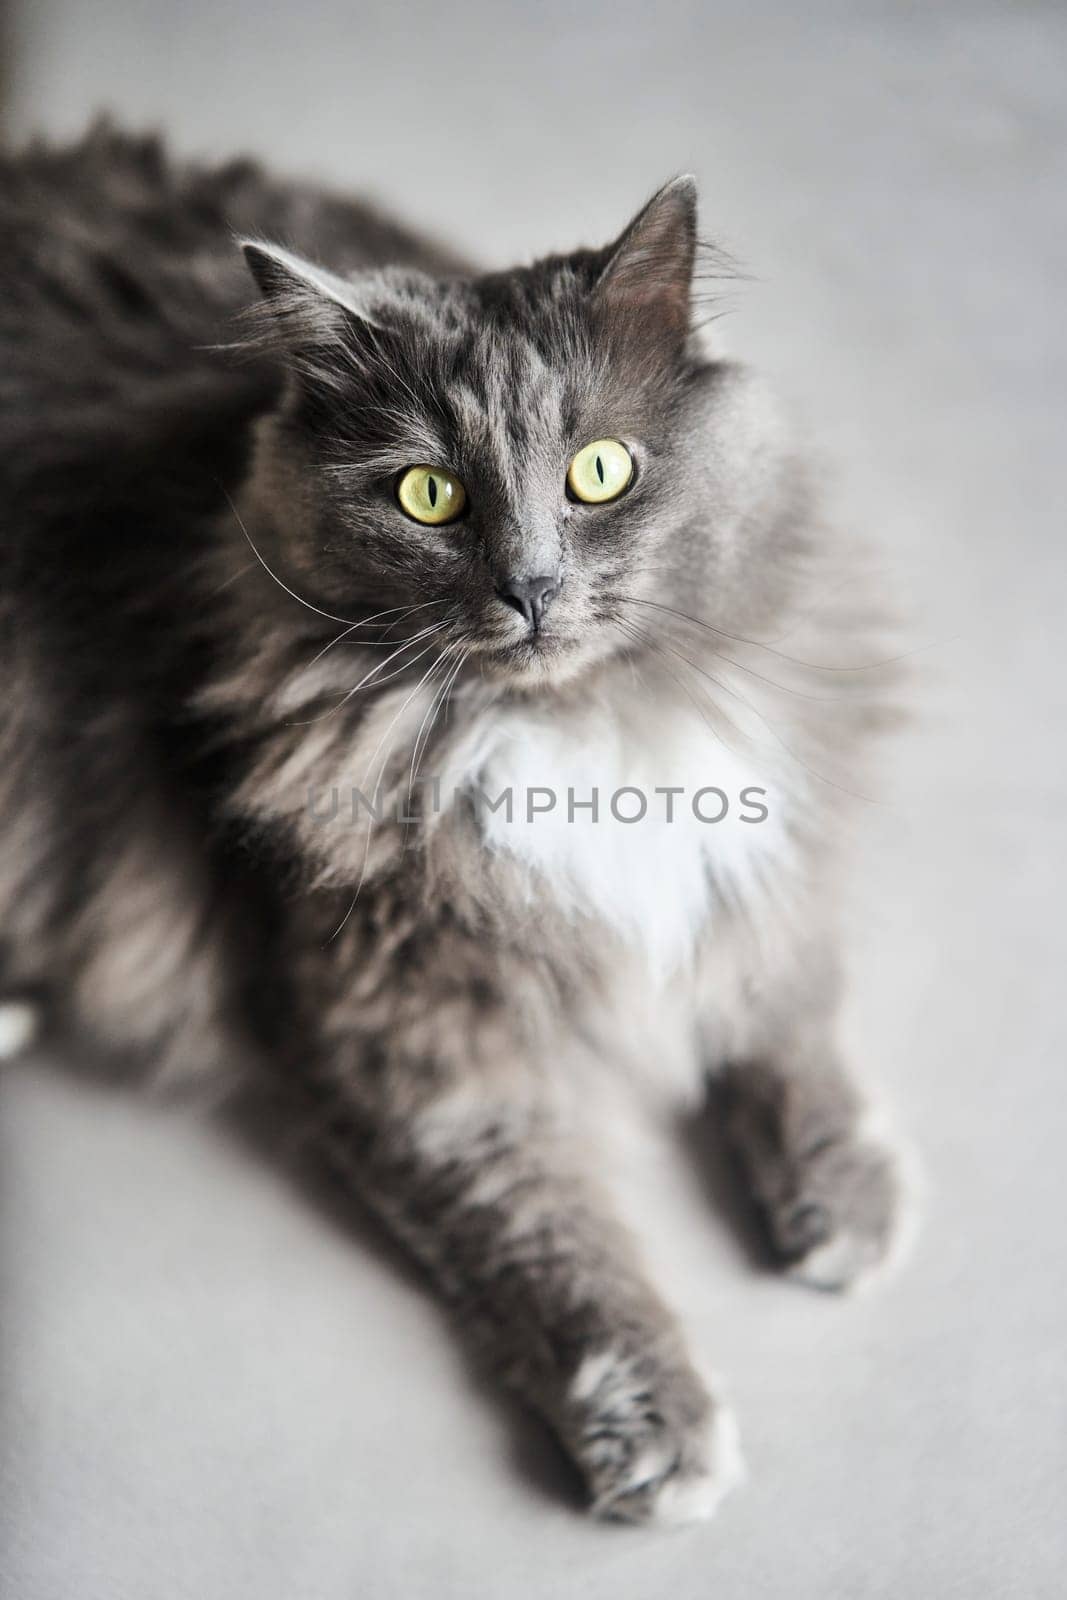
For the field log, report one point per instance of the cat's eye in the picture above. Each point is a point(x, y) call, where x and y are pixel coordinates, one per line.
point(428, 494)
point(600, 472)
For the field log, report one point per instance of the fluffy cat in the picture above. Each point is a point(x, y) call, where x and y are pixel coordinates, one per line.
point(300, 748)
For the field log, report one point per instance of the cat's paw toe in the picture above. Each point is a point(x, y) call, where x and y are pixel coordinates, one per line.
point(844, 1261)
point(844, 1221)
point(673, 1482)
point(654, 1448)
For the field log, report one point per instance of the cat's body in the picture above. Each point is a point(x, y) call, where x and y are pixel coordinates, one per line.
point(214, 629)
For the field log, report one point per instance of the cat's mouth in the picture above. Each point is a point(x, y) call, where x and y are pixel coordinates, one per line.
point(537, 658)
point(520, 653)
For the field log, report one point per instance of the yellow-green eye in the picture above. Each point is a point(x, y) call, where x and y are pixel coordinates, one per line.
point(429, 495)
point(600, 472)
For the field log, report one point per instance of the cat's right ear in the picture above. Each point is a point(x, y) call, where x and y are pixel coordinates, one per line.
point(310, 317)
point(647, 277)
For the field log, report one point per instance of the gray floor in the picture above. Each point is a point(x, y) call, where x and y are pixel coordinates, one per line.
point(210, 1389)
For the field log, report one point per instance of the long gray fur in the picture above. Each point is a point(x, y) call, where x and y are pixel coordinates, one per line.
point(200, 531)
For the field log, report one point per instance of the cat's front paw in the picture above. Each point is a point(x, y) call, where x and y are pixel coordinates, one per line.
point(20, 1027)
point(653, 1445)
point(843, 1219)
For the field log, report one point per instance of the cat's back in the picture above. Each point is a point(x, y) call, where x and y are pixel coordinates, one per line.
point(123, 285)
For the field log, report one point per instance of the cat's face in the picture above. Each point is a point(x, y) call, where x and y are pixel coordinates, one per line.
point(511, 455)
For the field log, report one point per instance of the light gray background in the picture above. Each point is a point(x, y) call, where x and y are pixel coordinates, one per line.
point(210, 1389)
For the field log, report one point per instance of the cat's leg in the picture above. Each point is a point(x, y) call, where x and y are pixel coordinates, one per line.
point(829, 1182)
point(497, 1207)
point(443, 1116)
point(119, 937)
point(120, 941)
point(828, 1185)
point(20, 1026)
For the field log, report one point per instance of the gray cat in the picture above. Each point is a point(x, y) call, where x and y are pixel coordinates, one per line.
point(433, 693)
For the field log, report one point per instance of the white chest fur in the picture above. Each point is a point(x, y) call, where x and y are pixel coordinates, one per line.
point(652, 864)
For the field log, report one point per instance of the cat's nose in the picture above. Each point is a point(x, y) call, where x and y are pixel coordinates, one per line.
point(530, 597)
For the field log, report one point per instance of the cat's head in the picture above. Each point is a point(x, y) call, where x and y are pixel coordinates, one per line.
point(523, 456)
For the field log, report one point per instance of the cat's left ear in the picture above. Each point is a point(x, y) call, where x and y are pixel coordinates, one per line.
point(315, 317)
point(649, 268)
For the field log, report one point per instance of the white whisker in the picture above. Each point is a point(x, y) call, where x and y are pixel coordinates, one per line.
point(271, 574)
point(404, 611)
point(427, 675)
point(437, 627)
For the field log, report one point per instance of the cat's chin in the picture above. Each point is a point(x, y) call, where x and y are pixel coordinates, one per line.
point(539, 663)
